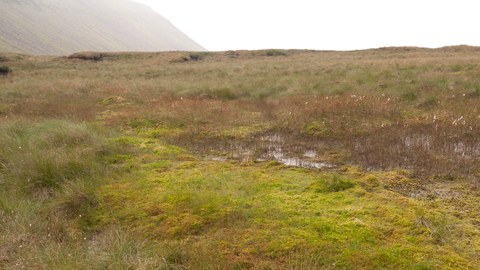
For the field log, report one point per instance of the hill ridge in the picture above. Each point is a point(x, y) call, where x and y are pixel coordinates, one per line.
point(67, 26)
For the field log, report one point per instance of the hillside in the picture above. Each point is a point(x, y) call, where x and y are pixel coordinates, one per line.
point(59, 27)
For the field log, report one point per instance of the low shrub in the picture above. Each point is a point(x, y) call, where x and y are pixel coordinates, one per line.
point(94, 56)
point(224, 94)
point(195, 56)
point(4, 70)
point(275, 53)
point(409, 96)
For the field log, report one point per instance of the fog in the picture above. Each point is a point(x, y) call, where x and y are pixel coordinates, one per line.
point(323, 25)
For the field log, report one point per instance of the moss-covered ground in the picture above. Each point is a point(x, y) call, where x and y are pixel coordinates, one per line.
point(264, 214)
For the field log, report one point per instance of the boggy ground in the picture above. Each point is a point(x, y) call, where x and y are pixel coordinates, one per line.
point(179, 160)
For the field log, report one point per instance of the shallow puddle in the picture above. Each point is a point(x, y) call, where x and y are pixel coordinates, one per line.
point(271, 147)
point(305, 161)
point(427, 152)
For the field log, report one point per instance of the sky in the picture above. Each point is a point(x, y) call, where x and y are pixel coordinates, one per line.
point(323, 24)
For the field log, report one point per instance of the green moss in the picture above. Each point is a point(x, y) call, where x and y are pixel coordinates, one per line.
point(369, 182)
point(334, 183)
point(317, 129)
point(125, 141)
point(168, 151)
point(273, 164)
point(276, 213)
point(114, 100)
point(242, 132)
point(186, 165)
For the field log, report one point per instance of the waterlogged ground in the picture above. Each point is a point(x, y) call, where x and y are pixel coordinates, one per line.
point(252, 214)
point(241, 160)
point(162, 206)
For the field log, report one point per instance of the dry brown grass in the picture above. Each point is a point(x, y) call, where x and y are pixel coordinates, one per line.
point(391, 107)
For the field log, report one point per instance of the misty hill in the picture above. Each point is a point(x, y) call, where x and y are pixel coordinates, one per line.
point(68, 26)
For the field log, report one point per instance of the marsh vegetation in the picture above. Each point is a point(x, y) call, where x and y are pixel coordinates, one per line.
point(275, 159)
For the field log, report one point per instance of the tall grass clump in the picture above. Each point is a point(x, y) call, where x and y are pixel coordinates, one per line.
point(49, 176)
point(38, 158)
point(52, 169)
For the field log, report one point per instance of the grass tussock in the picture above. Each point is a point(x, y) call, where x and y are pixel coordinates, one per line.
point(39, 158)
point(270, 159)
point(50, 173)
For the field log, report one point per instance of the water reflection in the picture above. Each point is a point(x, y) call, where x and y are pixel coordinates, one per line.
point(435, 153)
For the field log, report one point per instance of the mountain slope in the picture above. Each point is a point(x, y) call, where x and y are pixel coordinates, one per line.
point(68, 26)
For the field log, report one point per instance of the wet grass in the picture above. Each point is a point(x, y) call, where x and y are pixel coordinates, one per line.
point(177, 160)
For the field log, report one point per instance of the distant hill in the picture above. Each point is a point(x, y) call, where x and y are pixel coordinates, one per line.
point(60, 27)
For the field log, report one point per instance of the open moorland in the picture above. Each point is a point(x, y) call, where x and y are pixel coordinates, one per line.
point(272, 159)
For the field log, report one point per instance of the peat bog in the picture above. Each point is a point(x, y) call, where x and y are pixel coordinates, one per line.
point(271, 159)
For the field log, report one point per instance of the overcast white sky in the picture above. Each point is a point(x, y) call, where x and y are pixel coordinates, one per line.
point(323, 24)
